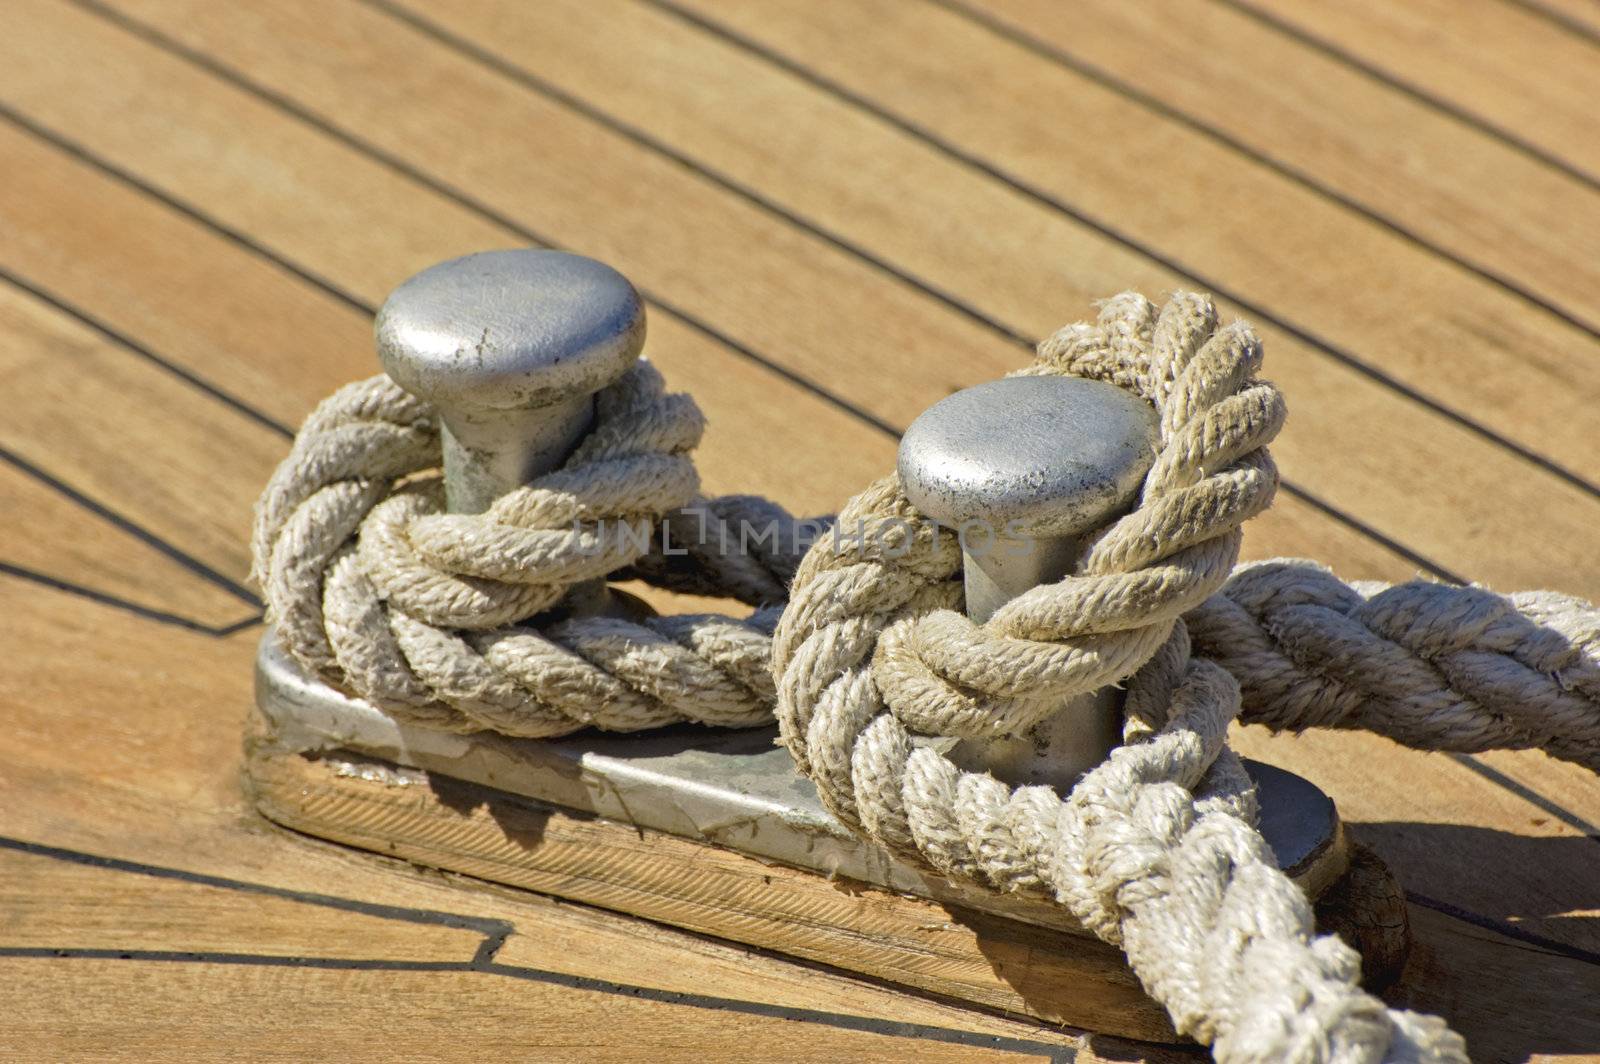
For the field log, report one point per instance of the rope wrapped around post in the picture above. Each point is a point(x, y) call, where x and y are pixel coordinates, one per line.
point(871, 663)
point(1155, 849)
point(370, 585)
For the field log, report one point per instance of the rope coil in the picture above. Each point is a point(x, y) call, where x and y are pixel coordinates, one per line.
point(425, 614)
point(370, 585)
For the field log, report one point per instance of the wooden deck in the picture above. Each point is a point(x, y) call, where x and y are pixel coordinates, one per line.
point(840, 211)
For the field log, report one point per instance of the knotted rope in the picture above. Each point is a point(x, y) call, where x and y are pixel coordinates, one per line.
point(425, 614)
point(1155, 849)
point(372, 586)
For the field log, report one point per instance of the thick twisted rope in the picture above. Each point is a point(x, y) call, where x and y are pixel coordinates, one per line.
point(422, 613)
point(425, 614)
point(1155, 849)
point(1429, 665)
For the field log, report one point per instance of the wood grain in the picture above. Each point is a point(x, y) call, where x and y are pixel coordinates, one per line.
point(1437, 485)
point(213, 1012)
point(811, 458)
point(1327, 125)
point(841, 212)
point(54, 904)
point(1486, 60)
point(1412, 307)
point(945, 950)
point(1437, 836)
point(46, 533)
point(129, 434)
point(264, 336)
point(1535, 1004)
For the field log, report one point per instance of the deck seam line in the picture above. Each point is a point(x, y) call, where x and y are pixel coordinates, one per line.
point(1521, 790)
point(525, 79)
point(1384, 77)
point(494, 930)
point(1565, 22)
point(1055, 54)
point(976, 162)
point(1500, 927)
point(104, 598)
point(122, 340)
point(76, 150)
point(131, 527)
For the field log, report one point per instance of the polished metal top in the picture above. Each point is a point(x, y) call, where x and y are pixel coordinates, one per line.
point(510, 330)
point(1058, 456)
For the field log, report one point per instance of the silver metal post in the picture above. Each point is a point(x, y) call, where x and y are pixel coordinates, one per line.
point(1021, 469)
point(511, 347)
point(1060, 457)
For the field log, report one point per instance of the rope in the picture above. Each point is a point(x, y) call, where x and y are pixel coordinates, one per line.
point(370, 585)
point(426, 615)
point(1429, 665)
point(1155, 849)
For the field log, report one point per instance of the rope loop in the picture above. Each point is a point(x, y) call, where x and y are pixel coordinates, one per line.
point(451, 621)
point(457, 622)
point(1155, 849)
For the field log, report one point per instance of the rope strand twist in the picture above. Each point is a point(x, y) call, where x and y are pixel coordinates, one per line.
point(423, 613)
point(872, 668)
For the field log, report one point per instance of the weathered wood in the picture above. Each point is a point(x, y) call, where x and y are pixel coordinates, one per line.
point(864, 48)
point(1425, 475)
point(1327, 123)
point(1486, 60)
point(58, 905)
point(264, 336)
point(1232, 216)
point(120, 733)
point(128, 434)
point(77, 1009)
point(1516, 1001)
point(47, 534)
point(1441, 826)
point(945, 950)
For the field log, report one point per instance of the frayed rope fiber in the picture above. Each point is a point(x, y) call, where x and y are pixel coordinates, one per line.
point(454, 622)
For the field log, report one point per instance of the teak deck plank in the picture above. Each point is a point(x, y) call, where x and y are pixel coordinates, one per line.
point(1372, 295)
point(710, 268)
point(50, 536)
point(822, 466)
point(191, 1010)
point(1423, 471)
point(1263, 101)
point(52, 904)
point(840, 212)
point(290, 344)
point(1529, 1004)
point(130, 435)
point(1495, 63)
point(1332, 128)
point(1433, 821)
point(265, 337)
